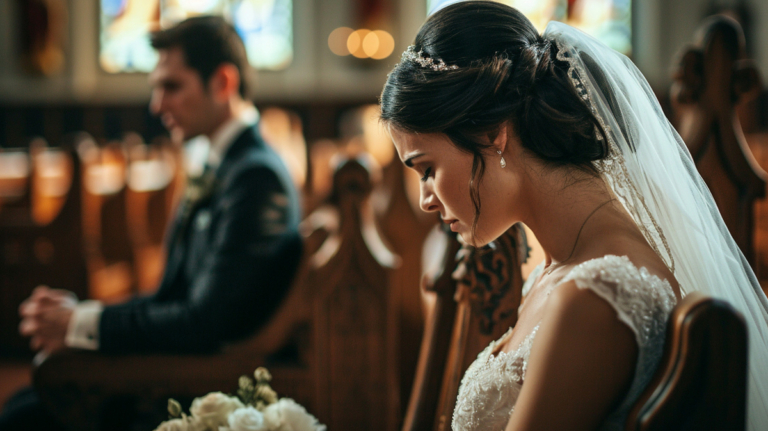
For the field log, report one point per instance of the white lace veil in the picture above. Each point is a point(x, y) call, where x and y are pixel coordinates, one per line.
point(654, 176)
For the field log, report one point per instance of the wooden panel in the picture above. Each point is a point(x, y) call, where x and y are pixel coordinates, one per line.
point(356, 325)
point(438, 290)
point(34, 254)
point(466, 310)
point(712, 80)
point(106, 228)
point(489, 291)
point(701, 383)
point(405, 231)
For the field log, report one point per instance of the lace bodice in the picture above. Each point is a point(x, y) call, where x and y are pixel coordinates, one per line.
point(491, 385)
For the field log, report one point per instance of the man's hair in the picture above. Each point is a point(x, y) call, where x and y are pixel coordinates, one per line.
point(207, 42)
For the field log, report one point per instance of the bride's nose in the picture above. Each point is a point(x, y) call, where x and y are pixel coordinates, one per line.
point(429, 201)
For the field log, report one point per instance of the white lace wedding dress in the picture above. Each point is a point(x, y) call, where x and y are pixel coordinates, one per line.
point(491, 385)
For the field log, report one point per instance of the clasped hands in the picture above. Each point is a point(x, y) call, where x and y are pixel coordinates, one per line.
point(45, 317)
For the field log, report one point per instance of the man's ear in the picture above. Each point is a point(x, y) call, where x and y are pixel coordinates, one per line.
point(747, 84)
point(224, 82)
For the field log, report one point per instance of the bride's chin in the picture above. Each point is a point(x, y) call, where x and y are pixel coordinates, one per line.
point(465, 238)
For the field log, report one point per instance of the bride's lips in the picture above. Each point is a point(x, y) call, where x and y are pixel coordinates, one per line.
point(454, 223)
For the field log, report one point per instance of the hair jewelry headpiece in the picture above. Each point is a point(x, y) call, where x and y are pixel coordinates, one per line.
point(418, 57)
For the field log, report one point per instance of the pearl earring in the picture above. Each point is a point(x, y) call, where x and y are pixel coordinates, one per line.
point(502, 162)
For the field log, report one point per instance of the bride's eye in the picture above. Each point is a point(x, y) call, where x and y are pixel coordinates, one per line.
point(427, 172)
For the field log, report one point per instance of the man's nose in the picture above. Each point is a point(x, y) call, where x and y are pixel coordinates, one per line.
point(156, 102)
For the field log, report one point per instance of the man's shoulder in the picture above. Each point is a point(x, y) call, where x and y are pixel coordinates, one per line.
point(257, 168)
point(251, 151)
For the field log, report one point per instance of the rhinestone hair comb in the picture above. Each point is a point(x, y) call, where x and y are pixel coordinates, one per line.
point(410, 54)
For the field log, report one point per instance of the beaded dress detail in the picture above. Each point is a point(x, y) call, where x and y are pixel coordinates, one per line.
point(491, 385)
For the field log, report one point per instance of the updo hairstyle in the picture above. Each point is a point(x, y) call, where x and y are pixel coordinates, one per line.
point(506, 73)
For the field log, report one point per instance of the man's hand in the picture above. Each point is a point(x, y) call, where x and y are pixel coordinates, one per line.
point(45, 318)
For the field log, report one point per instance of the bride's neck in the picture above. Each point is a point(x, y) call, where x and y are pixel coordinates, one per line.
point(558, 210)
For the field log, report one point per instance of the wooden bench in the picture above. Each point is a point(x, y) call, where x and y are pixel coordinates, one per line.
point(45, 249)
point(701, 383)
point(332, 345)
point(713, 78)
point(467, 308)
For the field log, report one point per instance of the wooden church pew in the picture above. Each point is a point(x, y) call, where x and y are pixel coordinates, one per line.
point(151, 179)
point(43, 251)
point(332, 345)
point(107, 243)
point(15, 187)
point(701, 383)
point(712, 79)
point(758, 144)
point(467, 308)
point(438, 290)
point(402, 224)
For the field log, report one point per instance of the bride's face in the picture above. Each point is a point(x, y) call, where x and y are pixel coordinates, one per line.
point(445, 173)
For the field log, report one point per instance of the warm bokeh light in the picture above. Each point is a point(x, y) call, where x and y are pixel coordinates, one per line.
point(377, 140)
point(283, 131)
point(362, 43)
point(385, 46)
point(371, 44)
point(337, 41)
point(355, 43)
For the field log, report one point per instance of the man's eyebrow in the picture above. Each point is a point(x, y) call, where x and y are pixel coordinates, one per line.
point(409, 161)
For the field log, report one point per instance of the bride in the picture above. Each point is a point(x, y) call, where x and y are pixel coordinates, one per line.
point(563, 134)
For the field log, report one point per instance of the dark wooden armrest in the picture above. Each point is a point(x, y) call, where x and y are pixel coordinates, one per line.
point(702, 378)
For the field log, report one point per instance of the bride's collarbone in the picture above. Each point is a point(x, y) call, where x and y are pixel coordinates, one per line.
point(530, 314)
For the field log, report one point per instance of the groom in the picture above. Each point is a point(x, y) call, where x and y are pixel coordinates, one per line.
point(234, 244)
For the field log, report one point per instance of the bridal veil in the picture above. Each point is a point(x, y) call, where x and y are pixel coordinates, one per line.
point(652, 173)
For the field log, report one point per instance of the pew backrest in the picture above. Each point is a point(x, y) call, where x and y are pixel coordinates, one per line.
point(701, 383)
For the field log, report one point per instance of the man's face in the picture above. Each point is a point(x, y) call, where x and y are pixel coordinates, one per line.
point(180, 97)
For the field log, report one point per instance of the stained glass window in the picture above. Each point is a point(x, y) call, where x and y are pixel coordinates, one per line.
point(608, 20)
point(266, 26)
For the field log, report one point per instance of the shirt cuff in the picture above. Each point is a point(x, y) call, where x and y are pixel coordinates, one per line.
point(83, 329)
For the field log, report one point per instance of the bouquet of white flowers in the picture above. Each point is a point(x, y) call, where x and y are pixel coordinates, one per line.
point(255, 408)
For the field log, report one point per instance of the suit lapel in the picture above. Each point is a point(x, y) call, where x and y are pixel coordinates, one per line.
point(178, 232)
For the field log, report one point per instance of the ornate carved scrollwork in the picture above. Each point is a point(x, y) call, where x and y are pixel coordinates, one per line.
point(485, 275)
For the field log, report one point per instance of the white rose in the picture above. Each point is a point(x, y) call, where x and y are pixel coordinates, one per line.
point(246, 419)
point(185, 424)
point(214, 409)
point(288, 415)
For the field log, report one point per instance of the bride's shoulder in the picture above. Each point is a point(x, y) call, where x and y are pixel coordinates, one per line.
point(626, 274)
point(614, 288)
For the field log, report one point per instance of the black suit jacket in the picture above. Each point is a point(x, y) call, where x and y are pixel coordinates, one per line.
point(231, 258)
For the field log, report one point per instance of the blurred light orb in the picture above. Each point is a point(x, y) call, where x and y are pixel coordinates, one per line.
point(337, 41)
point(355, 43)
point(371, 44)
point(385, 46)
point(362, 43)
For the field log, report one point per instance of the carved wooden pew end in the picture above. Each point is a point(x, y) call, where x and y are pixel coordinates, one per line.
point(701, 383)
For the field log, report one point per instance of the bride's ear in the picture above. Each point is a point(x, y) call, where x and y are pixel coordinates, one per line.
point(499, 138)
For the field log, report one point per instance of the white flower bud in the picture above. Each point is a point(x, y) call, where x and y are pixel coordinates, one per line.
point(214, 409)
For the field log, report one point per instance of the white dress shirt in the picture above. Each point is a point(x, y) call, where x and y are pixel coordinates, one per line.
point(83, 329)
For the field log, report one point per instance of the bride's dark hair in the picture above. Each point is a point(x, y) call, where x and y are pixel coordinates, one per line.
point(506, 73)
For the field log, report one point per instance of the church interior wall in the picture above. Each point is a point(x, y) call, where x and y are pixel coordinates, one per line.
point(661, 29)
